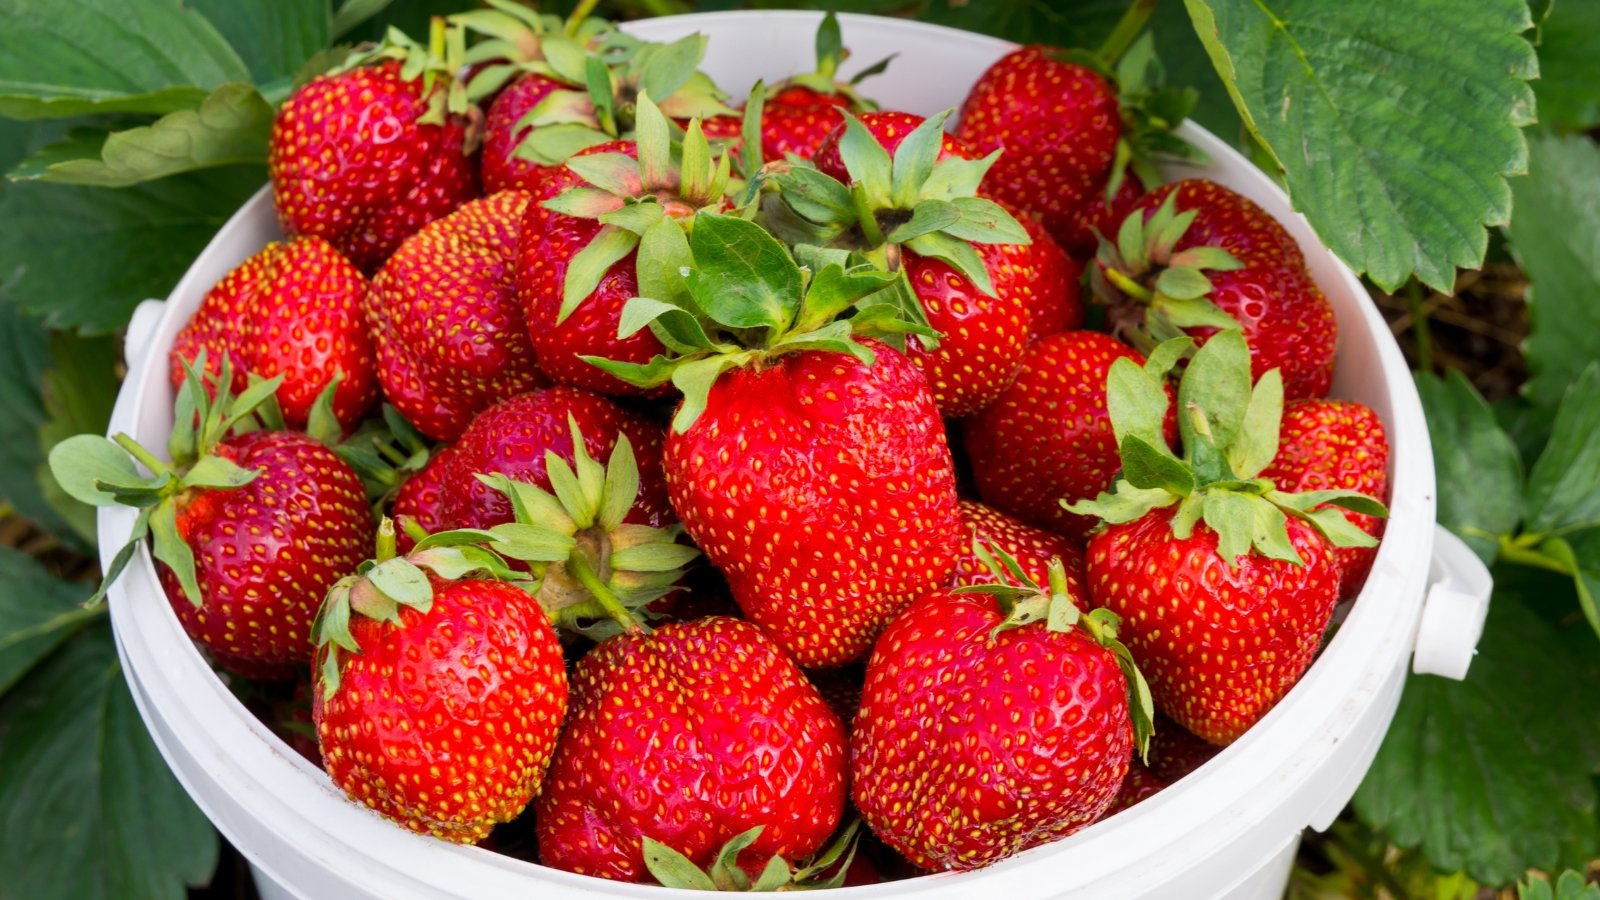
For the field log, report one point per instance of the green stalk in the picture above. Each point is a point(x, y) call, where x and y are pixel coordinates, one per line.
point(868, 222)
point(1128, 286)
point(1128, 28)
point(127, 443)
point(387, 544)
point(580, 566)
point(579, 13)
point(1522, 551)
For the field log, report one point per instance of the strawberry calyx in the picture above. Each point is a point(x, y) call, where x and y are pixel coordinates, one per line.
point(1026, 602)
point(104, 471)
point(1229, 431)
point(1152, 291)
point(824, 79)
point(384, 450)
point(675, 870)
point(436, 64)
point(518, 40)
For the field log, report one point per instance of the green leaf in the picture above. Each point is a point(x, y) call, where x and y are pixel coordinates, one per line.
point(402, 581)
point(81, 464)
point(274, 37)
point(1217, 383)
point(105, 56)
point(1257, 445)
point(958, 254)
point(986, 222)
point(1553, 236)
point(1183, 283)
point(670, 66)
point(743, 277)
point(230, 127)
point(216, 472)
point(1232, 517)
point(1147, 465)
point(1493, 774)
point(79, 391)
point(1579, 554)
point(1569, 886)
point(1478, 470)
point(590, 265)
point(37, 613)
point(865, 159)
point(1563, 489)
point(92, 812)
point(1136, 402)
point(143, 238)
point(914, 159)
point(926, 217)
point(673, 869)
point(1384, 175)
point(1568, 89)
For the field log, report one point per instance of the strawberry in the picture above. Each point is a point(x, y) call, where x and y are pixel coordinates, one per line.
point(1224, 582)
point(1194, 257)
point(806, 460)
point(1336, 445)
point(250, 527)
point(1049, 435)
point(709, 691)
point(1139, 785)
point(419, 501)
point(1099, 218)
point(444, 315)
point(502, 168)
point(577, 263)
point(366, 156)
point(887, 129)
point(293, 309)
point(1174, 753)
point(439, 690)
point(801, 111)
point(994, 718)
point(1033, 548)
point(1048, 279)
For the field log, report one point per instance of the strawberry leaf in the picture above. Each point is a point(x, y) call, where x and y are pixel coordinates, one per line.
point(744, 277)
point(914, 159)
point(926, 217)
point(1569, 886)
point(1478, 467)
point(1147, 465)
point(37, 613)
point(1257, 445)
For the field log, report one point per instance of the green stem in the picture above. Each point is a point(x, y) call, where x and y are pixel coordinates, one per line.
point(1522, 551)
point(1419, 324)
point(1128, 28)
point(581, 12)
point(580, 566)
point(1128, 286)
point(387, 545)
point(127, 443)
point(864, 217)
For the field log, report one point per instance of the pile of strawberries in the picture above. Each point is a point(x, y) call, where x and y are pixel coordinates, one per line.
point(679, 483)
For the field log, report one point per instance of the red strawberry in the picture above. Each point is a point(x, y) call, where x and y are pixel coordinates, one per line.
point(888, 129)
point(1048, 279)
point(1139, 785)
point(293, 309)
point(1336, 445)
point(502, 168)
point(1174, 753)
point(365, 157)
point(1032, 547)
point(661, 743)
point(801, 111)
point(1100, 217)
point(445, 317)
point(1049, 436)
point(419, 501)
point(1233, 266)
point(443, 710)
point(1022, 736)
point(1058, 123)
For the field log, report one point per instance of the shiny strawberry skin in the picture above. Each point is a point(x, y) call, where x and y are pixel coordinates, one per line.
point(445, 317)
point(1287, 320)
point(1100, 217)
point(350, 162)
point(797, 120)
point(984, 336)
point(550, 240)
point(1048, 279)
point(293, 309)
point(266, 553)
point(1220, 646)
point(446, 721)
point(1058, 124)
point(690, 735)
point(1049, 436)
point(1032, 547)
point(824, 490)
point(957, 723)
point(420, 499)
point(1336, 445)
point(501, 168)
point(889, 129)
point(512, 437)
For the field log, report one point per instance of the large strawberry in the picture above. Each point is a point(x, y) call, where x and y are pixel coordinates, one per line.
point(994, 718)
point(440, 689)
point(577, 263)
point(1032, 548)
point(806, 460)
point(1194, 257)
point(1224, 582)
point(1336, 445)
point(690, 736)
point(368, 154)
point(917, 212)
point(1048, 279)
point(293, 309)
point(802, 110)
point(250, 527)
point(1049, 435)
point(444, 314)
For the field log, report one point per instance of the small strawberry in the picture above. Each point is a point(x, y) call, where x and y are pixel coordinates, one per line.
point(1336, 445)
point(444, 314)
point(1049, 435)
point(689, 736)
point(801, 111)
point(439, 689)
point(1032, 548)
point(293, 309)
point(368, 154)
point(1139, 785)
point(249, 527)
point(994, 718)
point(1194, 257)
point(1225, 583)
point(807, 460)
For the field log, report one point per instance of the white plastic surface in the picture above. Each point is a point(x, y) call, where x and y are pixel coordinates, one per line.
point(1453, 613)
point(1227, 830)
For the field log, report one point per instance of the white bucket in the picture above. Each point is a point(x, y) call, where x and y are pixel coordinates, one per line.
point(1228, 830)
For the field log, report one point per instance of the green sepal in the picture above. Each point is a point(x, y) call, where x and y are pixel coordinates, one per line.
point(958, 254)
point(321, 423)
point(85, 463)
point(1257, 443)
point(914, 159)
point(171, 550)
point(1123, 503)
point(985, 222)
point(216, 472)
point(590, 265)
point(867, 163)
point(141, 529)
point(1147, 465)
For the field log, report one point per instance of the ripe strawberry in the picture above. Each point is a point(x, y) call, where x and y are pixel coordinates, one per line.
point(502, 167)
point(1100, 217)
point(1225, 584)
point(444, 315)
point(250, 529)
point(888, 129)
point(1174, 753)
point(366, 156)
point(994, 719)
point(1033, 548)
point(1049, 435)
point(801, 111)
point(707, 691)
point(1047, 278)
point(1230, 266)
point(1336, 445)
point(420, 500)
point(1139, 785)
point(809, 465)
point(293, 309)
point(441, 712)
